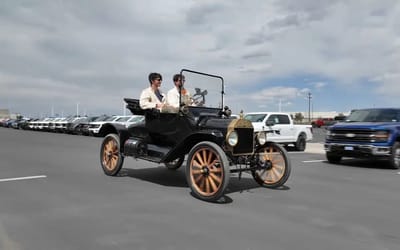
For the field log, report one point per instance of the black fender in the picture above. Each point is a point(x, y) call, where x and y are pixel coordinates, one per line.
point(183, 147)
point(111, 128)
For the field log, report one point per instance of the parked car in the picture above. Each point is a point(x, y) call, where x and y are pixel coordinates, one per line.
point(323, 122)
point(73, 123)
point(45, 124)
point(286, 132)
point(3, 121)
point(21, 123)
point(215, 144)
point(7, 123)
point(339, 118)
point(96, 128)
point(82, 128)
point(130, 120)
point(54, 124)
point(32, 124)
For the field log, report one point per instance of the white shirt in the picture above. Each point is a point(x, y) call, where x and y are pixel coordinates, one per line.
point(173, 97)
point(148, 99)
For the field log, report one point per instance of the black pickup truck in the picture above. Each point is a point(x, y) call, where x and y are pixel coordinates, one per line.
point(366, 133)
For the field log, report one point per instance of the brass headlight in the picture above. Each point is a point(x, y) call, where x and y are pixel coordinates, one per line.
point(232, 138)
point(262, 138)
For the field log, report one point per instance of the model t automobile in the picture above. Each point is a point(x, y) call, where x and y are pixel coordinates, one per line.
point(213, 143)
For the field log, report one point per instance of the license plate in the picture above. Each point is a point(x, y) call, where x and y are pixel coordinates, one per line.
point(348, 148)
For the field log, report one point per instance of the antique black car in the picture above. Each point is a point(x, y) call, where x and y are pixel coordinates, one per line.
point(213, 144)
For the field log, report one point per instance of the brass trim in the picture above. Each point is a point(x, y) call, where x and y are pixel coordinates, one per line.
point(237, 123)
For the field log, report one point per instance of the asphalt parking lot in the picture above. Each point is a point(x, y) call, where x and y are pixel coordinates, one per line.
point(54, 195)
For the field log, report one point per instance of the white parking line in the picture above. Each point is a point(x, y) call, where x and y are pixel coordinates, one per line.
point(23, 178)
point(314, 161)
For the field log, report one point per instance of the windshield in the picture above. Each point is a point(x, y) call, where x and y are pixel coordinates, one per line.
point(374, 115)
point(205, 90)
point(255, 117)
point(136, 119)
point(123, 119)
point(101, 118)
point(112, 118)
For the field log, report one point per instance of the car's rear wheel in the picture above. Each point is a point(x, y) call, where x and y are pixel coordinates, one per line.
point(175, 164)
point(273, 166)
point(111, 158)
point(333, 158)
point(207, 171)
point(300, 144)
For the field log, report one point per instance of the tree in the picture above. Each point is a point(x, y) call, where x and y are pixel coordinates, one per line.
point(298, 117)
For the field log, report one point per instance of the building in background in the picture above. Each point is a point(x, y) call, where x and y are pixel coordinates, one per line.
point(4, 113)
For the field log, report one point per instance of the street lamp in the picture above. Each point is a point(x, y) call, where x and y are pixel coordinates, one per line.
point(309, 97)
point(77, 109)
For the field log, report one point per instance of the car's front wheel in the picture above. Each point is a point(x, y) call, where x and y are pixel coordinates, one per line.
point(333, 158)
point(207, 171)
point(111, 158)
point(395, 157)
point(273, 166)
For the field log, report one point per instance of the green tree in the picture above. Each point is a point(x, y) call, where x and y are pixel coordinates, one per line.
point(298, 117)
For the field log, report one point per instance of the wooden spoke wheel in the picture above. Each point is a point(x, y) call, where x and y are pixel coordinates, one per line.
point(111, 158)
point(175, 164)
point(273, 166)
point(207, 171)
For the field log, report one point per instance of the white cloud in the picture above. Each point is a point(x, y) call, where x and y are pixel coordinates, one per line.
point(102, 50)
point(319, 85)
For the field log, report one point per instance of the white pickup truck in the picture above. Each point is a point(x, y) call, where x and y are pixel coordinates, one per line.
point(286, 132)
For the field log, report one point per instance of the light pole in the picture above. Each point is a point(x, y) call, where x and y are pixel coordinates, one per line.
point(309, 97)
point(123, 109)
point(280, 105)
point(77, 109)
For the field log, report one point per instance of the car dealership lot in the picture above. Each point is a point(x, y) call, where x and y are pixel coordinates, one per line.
point(54, 195)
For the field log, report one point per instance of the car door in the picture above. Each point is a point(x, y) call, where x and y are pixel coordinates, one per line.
point(282, 124)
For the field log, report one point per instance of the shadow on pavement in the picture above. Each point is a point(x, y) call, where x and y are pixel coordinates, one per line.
point(364, 163)
point(159, 175)
point(163, 176)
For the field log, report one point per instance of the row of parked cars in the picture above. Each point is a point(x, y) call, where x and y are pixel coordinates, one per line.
point(79, 125)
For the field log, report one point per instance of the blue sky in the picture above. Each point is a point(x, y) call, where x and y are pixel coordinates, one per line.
point(64, 57)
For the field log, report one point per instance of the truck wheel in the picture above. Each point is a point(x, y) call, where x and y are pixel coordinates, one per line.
point(395, 157)
point(111, 158)
point(273, 166)
point(207, 171)
point(175, 164)
point(300, 143)
point(333, 158)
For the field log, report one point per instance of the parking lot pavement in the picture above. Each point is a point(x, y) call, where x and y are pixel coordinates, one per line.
point(315, 148)
point(63, 200)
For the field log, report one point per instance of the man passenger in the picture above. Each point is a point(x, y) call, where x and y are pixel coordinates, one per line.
point(173, 94)
point(152, 97)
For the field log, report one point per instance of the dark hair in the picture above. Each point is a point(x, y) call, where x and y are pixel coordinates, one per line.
point(153, 76)
point(177, 77)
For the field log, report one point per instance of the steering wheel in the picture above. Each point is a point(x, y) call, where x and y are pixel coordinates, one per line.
point(199, 98)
